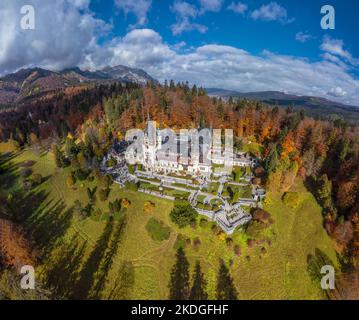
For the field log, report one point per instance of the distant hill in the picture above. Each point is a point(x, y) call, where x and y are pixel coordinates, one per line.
point(314, 106)
point(25, 83)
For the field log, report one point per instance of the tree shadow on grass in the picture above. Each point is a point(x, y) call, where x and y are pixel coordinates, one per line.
point(310, 185)
point(50, 224)
point(8, 169)
point(45, 221)
point(314, 265)
point(64, 268)
point(123, 285)
point(82, 289)
point(108, 259)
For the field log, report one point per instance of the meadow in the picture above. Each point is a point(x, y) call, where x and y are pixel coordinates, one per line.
point(98, 258)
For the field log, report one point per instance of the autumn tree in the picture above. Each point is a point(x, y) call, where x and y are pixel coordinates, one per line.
point(15, 247)
point(347, 195)
point(288, 145)
point(289, 176)
point(70, 181)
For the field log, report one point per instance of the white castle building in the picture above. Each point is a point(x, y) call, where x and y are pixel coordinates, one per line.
point(192, 152)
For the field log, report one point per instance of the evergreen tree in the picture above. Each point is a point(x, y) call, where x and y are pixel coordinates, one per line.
point(70, 148)
point(201, 92)
point(172, 85)
point(183, 214)
point(275, 110)
point(343, 149)
point(199, 283)
point(324, 192)
point(194, 91)
point(60, 160)
point(272, 160)
point(179, 282)
point(225, 287)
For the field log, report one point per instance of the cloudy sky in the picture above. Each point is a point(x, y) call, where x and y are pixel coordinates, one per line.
point(247, 45)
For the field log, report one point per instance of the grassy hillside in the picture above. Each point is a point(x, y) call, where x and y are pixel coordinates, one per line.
point(99, 259)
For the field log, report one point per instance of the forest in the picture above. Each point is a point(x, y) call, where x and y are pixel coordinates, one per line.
point(291, 145)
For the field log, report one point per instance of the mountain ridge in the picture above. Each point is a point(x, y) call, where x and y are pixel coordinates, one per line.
point(25, 83)
point(315, 106)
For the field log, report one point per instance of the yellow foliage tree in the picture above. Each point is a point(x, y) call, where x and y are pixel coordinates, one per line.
point(125, 203)
point(148, 207)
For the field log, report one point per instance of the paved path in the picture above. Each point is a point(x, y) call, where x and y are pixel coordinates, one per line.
point(220, 189)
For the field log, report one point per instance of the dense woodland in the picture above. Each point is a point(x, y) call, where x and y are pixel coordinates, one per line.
point(324, 154)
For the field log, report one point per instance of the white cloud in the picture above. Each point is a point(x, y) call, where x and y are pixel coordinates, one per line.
point(329, 57)
point(233, 68)
point(184, 9)
point(81, 4)
point(64, 33)
point(337, 92)
point(272, 12)
point(210, 5)
point(238, 7)
point(303, 37)
point(336, 47)
point(139, 8)
point(179, 45)
point(67, 36)
point(138, 48)
point(185, 14)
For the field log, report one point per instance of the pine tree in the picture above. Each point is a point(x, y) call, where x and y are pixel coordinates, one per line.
point(343, 148)
point(324, 191)
point(194, 91)
point(272, 160)
point(199, 283)
point(59, 158)
point(179, 282)
point(70, 148)
point(172, 85)
point(225, 287)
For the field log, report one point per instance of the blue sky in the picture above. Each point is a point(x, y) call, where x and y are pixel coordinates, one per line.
point(247, 45)
point(239, 30)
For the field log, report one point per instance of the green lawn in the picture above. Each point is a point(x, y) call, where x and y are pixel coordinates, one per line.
point(238, 191)
point(176, 193)
point(92, 254)
point(201, 198)
point(213, 187)
point(151, 179)
point(157, 230)
point(149, 186)
point(184, 186)
point(254, 148)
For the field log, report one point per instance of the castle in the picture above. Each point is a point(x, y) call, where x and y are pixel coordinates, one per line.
point(188, 164)
point(193, 153)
